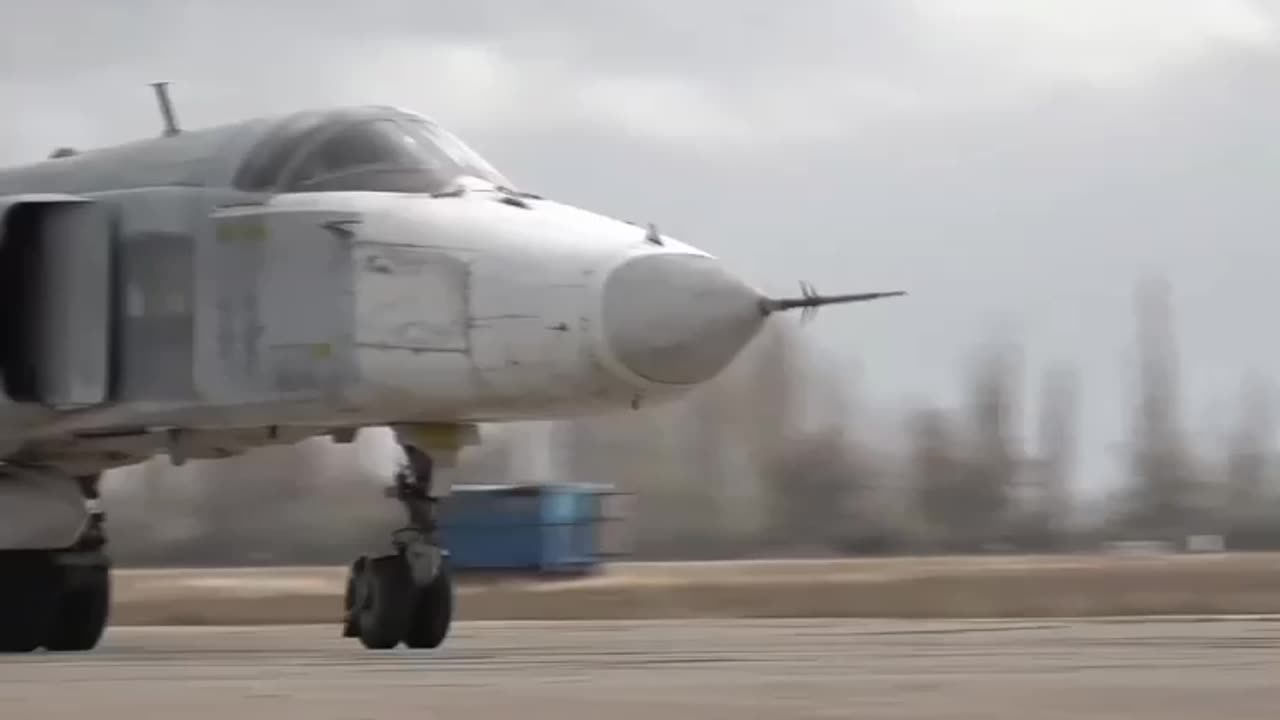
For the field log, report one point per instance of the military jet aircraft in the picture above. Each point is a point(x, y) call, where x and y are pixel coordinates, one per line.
point(201, 293)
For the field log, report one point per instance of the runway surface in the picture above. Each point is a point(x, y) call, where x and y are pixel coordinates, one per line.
point(665, 670)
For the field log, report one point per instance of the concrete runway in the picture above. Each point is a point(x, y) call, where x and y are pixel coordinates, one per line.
point(667, 670)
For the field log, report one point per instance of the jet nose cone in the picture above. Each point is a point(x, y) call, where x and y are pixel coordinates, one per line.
point(678, 319)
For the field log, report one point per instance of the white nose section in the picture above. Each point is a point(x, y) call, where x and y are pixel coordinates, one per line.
point(678, 319)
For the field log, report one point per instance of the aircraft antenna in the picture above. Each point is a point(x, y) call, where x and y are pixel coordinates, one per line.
point(166, 109)
point(809, 301)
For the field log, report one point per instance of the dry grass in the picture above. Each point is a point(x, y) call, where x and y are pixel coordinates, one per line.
point(959, 587)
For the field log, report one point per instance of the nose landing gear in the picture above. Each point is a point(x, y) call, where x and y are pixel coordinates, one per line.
point(407, 595)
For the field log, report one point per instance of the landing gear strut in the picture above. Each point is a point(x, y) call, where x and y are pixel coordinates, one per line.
point(405, 596)
point(58, 599)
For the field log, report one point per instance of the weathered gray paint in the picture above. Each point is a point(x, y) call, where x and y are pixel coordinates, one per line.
point(281, 309)
point(156, 293)
point(236, 275)
point(157, 316)
point(306, 303)
point(411, 298)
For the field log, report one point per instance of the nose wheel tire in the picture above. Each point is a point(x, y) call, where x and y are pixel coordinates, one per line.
point(432, 612)
point(384, 608)
point(383, 604)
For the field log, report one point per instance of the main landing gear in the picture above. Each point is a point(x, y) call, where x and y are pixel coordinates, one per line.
point(405, 596)
point(57, 599)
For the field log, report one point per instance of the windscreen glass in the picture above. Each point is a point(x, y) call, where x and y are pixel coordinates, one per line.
point(389, 156)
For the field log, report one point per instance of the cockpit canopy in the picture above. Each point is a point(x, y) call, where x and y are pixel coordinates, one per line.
point(387, 151)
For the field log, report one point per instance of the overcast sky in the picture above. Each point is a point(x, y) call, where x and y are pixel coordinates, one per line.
point(1015, 164)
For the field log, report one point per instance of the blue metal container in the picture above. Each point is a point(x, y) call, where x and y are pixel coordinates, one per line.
point(525, 528)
